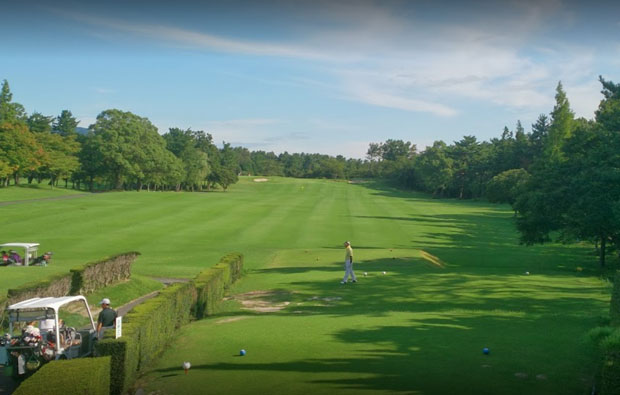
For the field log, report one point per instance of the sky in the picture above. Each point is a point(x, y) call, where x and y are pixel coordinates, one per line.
point(321, 76)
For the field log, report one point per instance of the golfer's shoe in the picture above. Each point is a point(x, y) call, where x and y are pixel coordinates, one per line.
point(354, 281)
point(343, 282)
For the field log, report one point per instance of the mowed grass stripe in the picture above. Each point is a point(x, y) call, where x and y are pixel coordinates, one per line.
point(418, 329)
point(323, 226)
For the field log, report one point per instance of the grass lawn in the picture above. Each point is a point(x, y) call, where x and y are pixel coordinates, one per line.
point(455, 282)
point(27, 191)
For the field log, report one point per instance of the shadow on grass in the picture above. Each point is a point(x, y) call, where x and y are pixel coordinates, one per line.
point(453, 316)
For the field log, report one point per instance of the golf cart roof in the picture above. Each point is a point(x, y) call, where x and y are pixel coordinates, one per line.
point(20, 245)
point(45, 303)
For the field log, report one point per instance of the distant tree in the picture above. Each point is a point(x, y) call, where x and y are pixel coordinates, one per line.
point(538, 137)
point(435, 169)
point(464, 153)
point(561, 126)
point(91, 161)
point(186, 145)
point(226, 177)
point(507, 186)
point(127, 146)
point(20, 149)
point(244, 158)
point(65, 124)
point(609, 108)
point(396, 149)
point(39, 123)
point(332, 168)
point(10, 111)
point(60, 160)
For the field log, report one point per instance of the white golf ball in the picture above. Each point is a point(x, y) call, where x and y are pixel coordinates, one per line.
point(384, 273)
point(527, 273)
point(365, 274)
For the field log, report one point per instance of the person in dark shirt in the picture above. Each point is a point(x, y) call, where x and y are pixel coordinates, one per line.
point(107, 317)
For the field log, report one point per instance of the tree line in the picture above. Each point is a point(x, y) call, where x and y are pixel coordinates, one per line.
point(561, 177)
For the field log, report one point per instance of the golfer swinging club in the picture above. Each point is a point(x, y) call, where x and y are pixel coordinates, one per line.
point(348, 263)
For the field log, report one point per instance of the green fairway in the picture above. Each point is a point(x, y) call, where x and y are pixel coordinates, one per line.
point(455, 283)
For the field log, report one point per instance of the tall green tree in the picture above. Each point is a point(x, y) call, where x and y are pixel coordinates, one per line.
point(435, 169)
point(575, 193)
point(10, 111)
point(60, 160)
point(65, 124)
point(464, 154)
point(186, 146)
point(127, 145)
point(39, 123)
point(561, 126)
point(20, 148)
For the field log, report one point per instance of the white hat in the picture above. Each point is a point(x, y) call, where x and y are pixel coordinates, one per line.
point(105, 301)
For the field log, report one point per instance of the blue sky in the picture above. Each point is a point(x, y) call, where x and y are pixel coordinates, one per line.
point(312, 76)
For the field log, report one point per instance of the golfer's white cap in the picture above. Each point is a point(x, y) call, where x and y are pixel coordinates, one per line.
point(105, 301)
point(347, 242)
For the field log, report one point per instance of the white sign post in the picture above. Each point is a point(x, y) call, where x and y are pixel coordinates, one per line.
point(119, 327)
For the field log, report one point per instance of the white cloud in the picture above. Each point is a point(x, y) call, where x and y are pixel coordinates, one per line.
point(103, 91)
point(382, 58)
point(584, 98)
point(367, 94)
point(194, 39)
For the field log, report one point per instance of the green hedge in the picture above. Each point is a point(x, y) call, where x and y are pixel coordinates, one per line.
point(212, 283)
point(124, 354)
point(56, 285)
point(100, 274)
point(149, 327)
point(81, 376)
point(78, 281)
point(614, 307)
point(157, 319)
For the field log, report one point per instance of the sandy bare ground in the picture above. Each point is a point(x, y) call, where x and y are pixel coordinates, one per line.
point(260, 180)
point(232, 319)
point(262, 301)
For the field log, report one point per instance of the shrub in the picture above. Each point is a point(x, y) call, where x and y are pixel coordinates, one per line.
point(124, 359)
point(100, 274)
point(211, 284)
point(56, 285)
point(148, 328)
point(82, 376)
point(156, 320)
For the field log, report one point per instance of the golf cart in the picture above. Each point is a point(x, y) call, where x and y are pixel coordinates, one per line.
point(28, 258)
point(37, 334)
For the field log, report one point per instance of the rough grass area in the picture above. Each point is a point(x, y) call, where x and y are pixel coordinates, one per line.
point(125, 292)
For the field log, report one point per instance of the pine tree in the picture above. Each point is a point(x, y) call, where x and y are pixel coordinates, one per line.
point(561, 126)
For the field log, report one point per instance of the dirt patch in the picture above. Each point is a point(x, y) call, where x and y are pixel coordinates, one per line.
point(231, 319)
point(263, 301)
point(260, 179)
